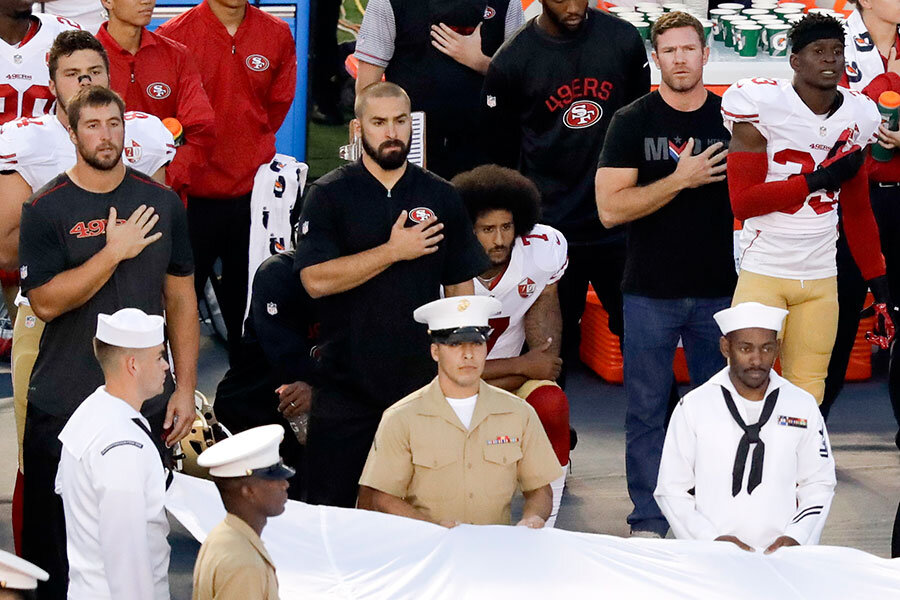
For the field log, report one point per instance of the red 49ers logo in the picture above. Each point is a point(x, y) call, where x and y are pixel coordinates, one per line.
point(257, 62)
point(581, 114)
point(526, 287)
point(421, 214)
point(158, 90)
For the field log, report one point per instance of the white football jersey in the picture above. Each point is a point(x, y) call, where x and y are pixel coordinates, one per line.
point(25, 89)
point(39, 148)
point(537, 260)
point(797, 242)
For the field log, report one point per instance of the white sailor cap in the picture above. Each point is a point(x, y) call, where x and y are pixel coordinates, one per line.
point(750, 314)
point(458, 319)
point(19, 574)
point(250, 452)
point(130, 328)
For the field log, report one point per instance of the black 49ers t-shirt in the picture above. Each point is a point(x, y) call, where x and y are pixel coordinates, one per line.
point(372, 351)
point(684, 249)
point(547, 103)
point(63, 226)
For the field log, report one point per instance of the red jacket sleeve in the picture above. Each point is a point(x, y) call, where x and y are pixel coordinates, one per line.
point(195, 113)
point(283, 87)
point(751, 195)
point(860, 227)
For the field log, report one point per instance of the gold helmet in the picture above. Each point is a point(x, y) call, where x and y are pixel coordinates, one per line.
point(205, 431)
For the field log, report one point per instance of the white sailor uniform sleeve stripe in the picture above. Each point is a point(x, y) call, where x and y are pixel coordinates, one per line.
point(120, 481)
point(676, 477)
point(815, 482)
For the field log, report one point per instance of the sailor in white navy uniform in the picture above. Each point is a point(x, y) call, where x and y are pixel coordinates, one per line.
point(747, 458)
point(18, 577)
point(111, 476)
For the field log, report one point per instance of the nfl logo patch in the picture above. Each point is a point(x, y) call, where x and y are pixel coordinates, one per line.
point(272, 308)
point(526, 287)
point(492, 101)
point(23, 271)
point(30, 321)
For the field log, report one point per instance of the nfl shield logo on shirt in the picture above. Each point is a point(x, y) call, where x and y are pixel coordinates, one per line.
point(272, 308)
point(492, 101)
point(23, 271)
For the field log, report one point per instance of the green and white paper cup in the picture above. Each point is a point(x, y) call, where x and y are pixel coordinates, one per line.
point(715, 16)
point(747, 42)
point(707, 31)
point(777, 36)
point(736, 7)
point(785, 11)
point(728, 22)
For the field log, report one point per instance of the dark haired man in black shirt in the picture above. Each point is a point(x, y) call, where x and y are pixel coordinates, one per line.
point(378, 238)
point(662, 171)
point(548, 98)
point(97, 238)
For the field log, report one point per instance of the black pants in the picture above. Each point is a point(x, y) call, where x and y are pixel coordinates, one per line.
point(341, 432)
point(44, 523)
point(602, 266)
point(220, 229)
point(324, 61)
point(852, 292)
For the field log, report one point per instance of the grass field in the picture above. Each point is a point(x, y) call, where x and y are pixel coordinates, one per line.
point(324, 141)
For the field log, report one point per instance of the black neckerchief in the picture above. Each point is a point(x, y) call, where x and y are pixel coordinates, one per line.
point(166, 469)
point(751, 436)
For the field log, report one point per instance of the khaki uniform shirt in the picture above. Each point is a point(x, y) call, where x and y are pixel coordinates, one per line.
point(423, 454)
point(233, 564)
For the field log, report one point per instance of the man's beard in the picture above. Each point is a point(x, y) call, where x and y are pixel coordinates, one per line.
point(98, 163)
point(387, 161)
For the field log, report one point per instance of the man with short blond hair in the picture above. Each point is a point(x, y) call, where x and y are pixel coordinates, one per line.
point(662, 174)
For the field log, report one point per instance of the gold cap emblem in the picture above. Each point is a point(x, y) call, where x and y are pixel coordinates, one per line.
point(463, 305)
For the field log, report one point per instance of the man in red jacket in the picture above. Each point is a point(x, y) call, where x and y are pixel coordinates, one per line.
point(156, 75)
point(248, 66)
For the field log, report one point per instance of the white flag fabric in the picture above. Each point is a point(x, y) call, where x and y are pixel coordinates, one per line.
point(326, 552)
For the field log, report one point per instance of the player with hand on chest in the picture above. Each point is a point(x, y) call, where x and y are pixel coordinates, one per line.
point(797, 150)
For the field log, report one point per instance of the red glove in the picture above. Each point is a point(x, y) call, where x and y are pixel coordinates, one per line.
point(885, 314)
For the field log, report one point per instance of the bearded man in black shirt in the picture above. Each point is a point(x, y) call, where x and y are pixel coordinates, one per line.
point(662, 171)
point(548, 98)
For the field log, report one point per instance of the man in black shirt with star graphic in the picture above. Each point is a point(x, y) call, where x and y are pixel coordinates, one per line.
point(662, 173)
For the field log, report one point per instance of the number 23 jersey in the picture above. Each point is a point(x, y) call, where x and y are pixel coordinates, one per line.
point(538, 259)
point(797, 242)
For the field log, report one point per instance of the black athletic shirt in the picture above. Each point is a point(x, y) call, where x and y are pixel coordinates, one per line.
point(547, 105)
point(63, 226)
point(684, 249)
point(371, 348)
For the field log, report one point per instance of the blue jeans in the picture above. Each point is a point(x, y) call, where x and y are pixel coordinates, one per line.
point(652, 329)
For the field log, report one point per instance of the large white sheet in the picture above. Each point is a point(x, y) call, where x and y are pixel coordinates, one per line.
point(324, 552)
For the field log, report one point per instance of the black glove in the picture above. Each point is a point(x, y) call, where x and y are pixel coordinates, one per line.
point(884, 311)
point(831, 176)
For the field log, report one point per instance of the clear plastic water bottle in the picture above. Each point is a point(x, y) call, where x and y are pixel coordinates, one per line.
point(300, 426)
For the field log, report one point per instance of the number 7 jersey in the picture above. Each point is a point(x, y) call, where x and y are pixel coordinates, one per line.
point(797, 242)
point(537, 260)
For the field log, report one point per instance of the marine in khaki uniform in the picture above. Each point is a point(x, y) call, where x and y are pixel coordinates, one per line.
point(252, 479)
point(456, 450)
